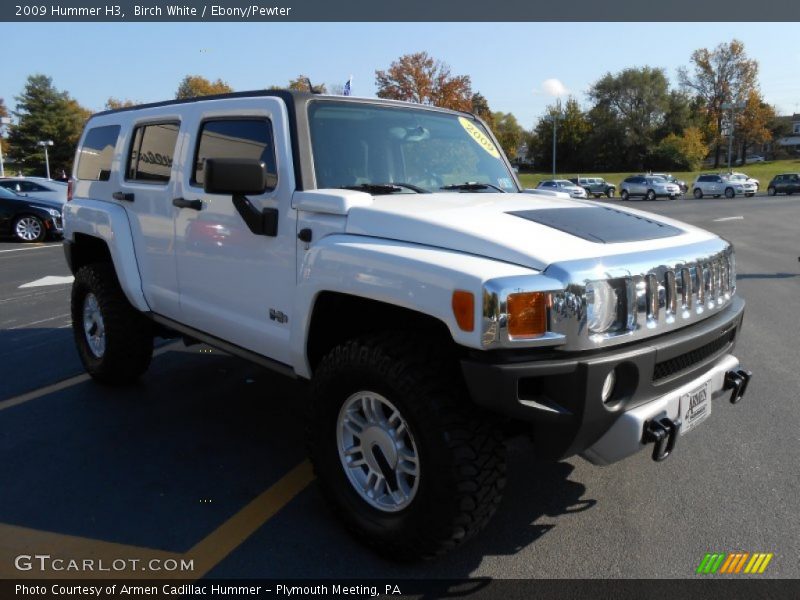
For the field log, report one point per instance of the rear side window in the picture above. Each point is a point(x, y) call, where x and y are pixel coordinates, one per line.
point(234, 138)
point(97, 151)
point(151, 153)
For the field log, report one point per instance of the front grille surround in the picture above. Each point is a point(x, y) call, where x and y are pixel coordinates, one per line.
point(657, 292)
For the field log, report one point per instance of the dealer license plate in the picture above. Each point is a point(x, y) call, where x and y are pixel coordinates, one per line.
point(695, 407)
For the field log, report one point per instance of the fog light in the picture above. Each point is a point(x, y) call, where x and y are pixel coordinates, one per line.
point(608, 386)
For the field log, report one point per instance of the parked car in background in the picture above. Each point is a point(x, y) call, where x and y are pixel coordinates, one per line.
point(596, 186)
point(563, 185)
point(37, 186)
point(672, 179)
point(755, 158)
point(716, 185)
point(744, 178)
point(786, 183)
point(648, 187)
point(28, 219)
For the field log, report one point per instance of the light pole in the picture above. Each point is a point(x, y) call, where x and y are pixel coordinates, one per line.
point(555, 117)
point(731, 106)
point(3, 122)
point(44, 144)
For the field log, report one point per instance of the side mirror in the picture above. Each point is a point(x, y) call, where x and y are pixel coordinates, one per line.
point(240, 176)
point(236, 176)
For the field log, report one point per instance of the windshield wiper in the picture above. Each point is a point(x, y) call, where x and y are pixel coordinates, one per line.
point(384, 188)
point(468, 186)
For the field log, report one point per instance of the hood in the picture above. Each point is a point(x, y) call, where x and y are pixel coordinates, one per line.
point(40, 202)
point(528, 230)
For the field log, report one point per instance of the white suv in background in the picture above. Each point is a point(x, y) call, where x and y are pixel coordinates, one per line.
point(717, 185)
point(649, 187)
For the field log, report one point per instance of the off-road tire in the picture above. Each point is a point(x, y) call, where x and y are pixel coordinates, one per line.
point(128, 334)
point(461, 451)
point(610, 193)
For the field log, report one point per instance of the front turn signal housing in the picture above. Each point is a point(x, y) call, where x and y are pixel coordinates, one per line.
point(464, 310)
point(527, 314)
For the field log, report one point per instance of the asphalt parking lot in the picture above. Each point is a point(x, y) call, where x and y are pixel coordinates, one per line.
point(204, 458)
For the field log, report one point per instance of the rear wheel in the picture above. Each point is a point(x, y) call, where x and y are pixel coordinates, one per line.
point(698, 193)
point(624, 195)
point(29, 228)
point(401, 456)
point(771, 191)
point(729, 193)
point(115, 342)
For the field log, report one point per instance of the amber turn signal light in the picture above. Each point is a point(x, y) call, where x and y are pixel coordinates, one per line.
point(464, 309)
point(527, 314)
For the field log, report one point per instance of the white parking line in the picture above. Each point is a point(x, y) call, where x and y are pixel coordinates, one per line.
point(31, 248)
point(739, 218)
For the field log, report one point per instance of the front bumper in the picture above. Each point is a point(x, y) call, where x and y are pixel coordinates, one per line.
point(560, 396)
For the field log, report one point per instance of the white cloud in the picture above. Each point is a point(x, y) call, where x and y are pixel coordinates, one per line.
point(554, 88)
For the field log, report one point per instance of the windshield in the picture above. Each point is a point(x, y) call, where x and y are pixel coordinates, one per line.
point(657, 180)
point(386, 149)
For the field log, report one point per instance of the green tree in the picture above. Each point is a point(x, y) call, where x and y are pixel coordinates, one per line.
point(571, 137)
point(721, 76)
point(45, 113)
point(480, 108)
point(682, 152)
point(3, 114)
point(301, 83)
point(420, 78)
point(116, 103)
point(508, 132)
point(639, 100)
point(193, 86)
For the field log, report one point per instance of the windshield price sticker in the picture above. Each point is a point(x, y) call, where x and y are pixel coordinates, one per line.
point(479, 137)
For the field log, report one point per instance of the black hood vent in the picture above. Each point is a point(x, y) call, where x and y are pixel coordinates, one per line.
point(600, 224)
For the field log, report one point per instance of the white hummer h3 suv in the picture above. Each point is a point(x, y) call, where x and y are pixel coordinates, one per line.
point(387, 252)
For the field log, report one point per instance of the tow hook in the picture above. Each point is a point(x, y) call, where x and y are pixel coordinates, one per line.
point(737, 381)
point(663, 433)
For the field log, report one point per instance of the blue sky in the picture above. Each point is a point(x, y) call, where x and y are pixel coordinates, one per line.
point(508, 62)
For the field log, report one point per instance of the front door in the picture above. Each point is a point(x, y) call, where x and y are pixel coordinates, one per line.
point(234, 284)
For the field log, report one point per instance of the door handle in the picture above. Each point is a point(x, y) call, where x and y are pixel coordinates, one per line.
point(184, 203)
point(122, 196)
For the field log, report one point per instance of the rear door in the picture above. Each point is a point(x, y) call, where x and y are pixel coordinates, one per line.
point(146, 183)
point(234, 284)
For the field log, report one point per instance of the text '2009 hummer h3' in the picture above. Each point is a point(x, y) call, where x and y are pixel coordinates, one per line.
point(387, 252)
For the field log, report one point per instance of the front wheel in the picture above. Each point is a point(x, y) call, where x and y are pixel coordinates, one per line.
point(651, 195)
point(29, 228)
point(624, 195)
point(115, 342)
point(771, 191)
point(729, 193)
point(610, 193)
point(698, 193)
point(401, 456)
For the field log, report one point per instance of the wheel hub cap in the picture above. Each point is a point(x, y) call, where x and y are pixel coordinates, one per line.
point(93, 326)
point(28, 229)
point(377, 451)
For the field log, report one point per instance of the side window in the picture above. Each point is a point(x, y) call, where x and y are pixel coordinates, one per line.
point(235, 138)
point(97, 151)
point(151, 153)
point(703, 179)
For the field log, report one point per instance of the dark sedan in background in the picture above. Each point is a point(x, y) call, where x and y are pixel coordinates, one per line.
point(28, 219)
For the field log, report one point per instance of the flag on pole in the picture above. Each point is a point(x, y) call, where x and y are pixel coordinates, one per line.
point(347, 89)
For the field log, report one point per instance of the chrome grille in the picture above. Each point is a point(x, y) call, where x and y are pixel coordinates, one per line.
point(657, 291)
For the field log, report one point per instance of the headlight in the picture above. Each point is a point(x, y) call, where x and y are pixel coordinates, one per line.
point(54, 212)
point(601, 306)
